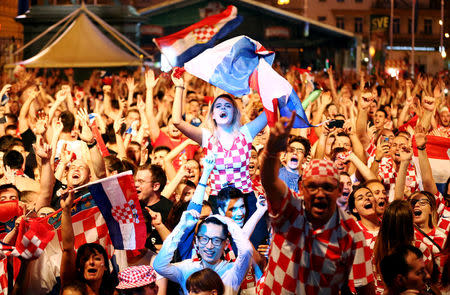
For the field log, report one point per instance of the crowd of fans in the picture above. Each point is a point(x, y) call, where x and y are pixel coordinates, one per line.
point(232, 205)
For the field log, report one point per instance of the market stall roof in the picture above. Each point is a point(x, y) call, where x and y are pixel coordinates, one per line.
point(257, 17)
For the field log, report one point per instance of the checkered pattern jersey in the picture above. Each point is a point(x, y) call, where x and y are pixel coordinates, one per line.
point(304, 260)
point(370, 236)
point(231, 165)
point(387, 173)
point(443, 213)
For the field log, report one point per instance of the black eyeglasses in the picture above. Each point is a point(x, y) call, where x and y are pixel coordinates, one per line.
point(422, 202)
point(203, 240)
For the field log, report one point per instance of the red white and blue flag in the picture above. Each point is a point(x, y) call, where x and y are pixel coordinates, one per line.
point(241, 64)
point(182, 46)
point(117, 199)
point(438, 151)
point(88, 224)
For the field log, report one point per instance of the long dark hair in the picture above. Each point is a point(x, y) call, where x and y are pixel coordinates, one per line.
point(397, 229)
point(83, 254)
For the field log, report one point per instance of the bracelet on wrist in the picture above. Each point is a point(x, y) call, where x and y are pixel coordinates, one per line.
point(91, 145)
point(202, 184)
point(422, 147)
point(182, 87)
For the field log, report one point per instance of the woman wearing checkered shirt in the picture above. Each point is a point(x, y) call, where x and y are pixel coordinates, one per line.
point(229, 142)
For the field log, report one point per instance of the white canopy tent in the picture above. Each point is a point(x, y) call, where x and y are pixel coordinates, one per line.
point(83, 45)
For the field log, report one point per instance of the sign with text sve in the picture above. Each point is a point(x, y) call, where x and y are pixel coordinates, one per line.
point(379, 23)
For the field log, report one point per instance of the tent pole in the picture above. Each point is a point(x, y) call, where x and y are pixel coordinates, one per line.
point(106, 25)
point(45, 32)
point(59, 31)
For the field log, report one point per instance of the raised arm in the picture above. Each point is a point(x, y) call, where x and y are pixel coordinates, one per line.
point(87, 136)
point(68, 270)
point(44, 152)
point(121, 151)
point(425, 168)
point(23, 115)
point(195, 133)
point(255, 126)
point(162, 261)
point(150, 83)
point(261, 209)
point(275, 187)
point(405, 158)
point(208, 165)
point(362, 118)
point(131, 87)
point(362, 168)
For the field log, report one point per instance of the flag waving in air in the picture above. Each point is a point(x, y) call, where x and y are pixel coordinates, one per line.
point(438, 151)
point(241, 64)
point(182, 46)
point(117, 199)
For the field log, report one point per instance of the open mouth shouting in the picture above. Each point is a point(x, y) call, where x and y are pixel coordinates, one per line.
point(417, 212)
point(223, 115)
point(368, 205)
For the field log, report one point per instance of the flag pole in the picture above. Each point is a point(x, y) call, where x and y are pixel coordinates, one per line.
point(159, 48)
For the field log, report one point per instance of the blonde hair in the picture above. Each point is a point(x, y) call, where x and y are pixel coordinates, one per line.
point(236, 122)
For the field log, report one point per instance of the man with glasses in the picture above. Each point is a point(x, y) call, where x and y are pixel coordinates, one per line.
point(210, 243)
point(316, 248)
point(150, 181)
point(297, 151)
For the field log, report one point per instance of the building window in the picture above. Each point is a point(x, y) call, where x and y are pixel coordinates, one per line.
point(396, 26)
point(340, 0)
point(340, 22)
point(322, 0)
point(428, 26)
point(321, 18)
point(358, 1)
point(358, 25)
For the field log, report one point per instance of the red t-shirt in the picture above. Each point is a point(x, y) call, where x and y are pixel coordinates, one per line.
point(187, 154)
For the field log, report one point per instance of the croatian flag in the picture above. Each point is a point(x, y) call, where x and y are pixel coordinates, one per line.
point(438, 151)
point(88, 224)
point(182, 46)
point(117, 199)
point(241, 64)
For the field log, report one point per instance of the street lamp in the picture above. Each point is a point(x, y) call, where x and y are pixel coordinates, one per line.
point(283, 2)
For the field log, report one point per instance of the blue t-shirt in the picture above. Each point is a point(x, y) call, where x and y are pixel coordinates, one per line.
point(291, 179)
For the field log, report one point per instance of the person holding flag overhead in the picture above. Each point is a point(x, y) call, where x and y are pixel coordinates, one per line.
point(230, 142)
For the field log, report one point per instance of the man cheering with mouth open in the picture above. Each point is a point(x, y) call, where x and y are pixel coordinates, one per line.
point(316, 248)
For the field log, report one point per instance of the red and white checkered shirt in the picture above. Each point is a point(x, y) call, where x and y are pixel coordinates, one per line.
point(231, 165)
point(443, 212)
point(304, 260)
point(388, 175)
point(370, 236)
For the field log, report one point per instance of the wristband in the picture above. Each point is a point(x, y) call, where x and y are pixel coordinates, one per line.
point(182, 87)
point(202, 184)
point(422, 148)
point(91, 145)
point(378, 161)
